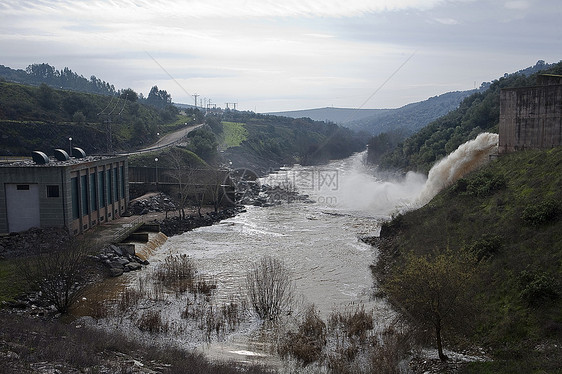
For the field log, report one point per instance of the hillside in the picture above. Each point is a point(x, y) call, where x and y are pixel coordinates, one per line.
point(264, 142)
point(36, 74)
point(342, 116)
point(477, 113)
point(509, 216)
point(407, 119)
point(43, 118)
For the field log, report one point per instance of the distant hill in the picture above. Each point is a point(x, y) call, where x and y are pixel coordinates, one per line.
point(341, 116)
point(407, 119)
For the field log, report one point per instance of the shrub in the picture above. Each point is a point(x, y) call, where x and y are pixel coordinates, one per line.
point(176, 273)
point(542, 213)
point(487, 246)
point(355, 323)
point(151, 321)
point(537, 288)
point(307, 343)
point(480, 185)
point(270, 289)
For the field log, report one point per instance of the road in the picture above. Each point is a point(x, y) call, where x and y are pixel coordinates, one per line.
point(167, 140)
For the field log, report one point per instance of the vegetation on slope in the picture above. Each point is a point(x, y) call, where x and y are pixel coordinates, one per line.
point(508, 216)
point(270, 141)
point(477, 113)
point(42, 118)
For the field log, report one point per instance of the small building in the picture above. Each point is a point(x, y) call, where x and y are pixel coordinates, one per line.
point(74, 192)
point(531, 117)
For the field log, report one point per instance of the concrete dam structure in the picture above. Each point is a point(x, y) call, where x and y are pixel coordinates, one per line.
point(531, 117)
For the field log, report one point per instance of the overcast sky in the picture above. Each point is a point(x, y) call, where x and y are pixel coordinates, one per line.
point(272, 55)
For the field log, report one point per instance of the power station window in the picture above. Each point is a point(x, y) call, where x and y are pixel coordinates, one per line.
point(23, 187)
point(52, 191)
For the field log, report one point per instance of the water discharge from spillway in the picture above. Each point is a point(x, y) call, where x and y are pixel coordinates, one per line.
point(363, 192)
point(466, 158)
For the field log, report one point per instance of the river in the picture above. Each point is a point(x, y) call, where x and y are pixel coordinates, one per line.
point(316, 237)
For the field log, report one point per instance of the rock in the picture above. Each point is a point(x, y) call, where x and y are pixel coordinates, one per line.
point(132, 266)
point(118, 251)
point(121, 261)
point(140, 260)
point(128, 249)
point(115, 272)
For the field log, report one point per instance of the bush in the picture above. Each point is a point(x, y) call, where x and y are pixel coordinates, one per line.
point(542, 213)
point(177, 273)
point(537, 288)
point(487, 246)
point(60, 275)
point(483, 184)
point(307, 343)
point(270, 289)
point(151, 321)
point(356, 324)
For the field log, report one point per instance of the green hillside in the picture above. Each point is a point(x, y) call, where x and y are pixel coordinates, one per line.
point(508, 215)
point(43, 118)
point(477, 113)
point(262, 142)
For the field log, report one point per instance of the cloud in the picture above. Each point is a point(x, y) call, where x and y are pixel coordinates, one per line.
point(447, 21)
point(144, 9)
point(517, 5)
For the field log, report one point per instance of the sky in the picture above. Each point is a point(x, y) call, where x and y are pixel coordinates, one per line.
point(277, 55)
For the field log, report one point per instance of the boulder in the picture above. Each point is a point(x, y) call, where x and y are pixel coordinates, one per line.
point(115, 272)
point(132, 266)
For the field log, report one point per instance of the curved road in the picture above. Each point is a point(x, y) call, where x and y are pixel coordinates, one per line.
point(167, 140)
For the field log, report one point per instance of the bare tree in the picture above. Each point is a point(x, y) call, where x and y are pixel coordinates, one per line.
point(270, 288)
point(59, 274)
point(214, 180)
point(184, 176)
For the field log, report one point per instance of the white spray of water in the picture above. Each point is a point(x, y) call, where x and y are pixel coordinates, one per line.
point(350, 185)
point(466, 158)
point(360, 191)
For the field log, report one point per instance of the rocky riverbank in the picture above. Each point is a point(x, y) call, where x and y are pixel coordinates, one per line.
point(176, 225)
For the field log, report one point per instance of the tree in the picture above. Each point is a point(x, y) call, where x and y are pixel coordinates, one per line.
point(433, 291)
point(214, 122)
point(46, 96)
point(184, 176)
point(129, 94)
point(203, 144)
point(214, 180)
point(158, 98)
point(59, 274)
point(270, 289)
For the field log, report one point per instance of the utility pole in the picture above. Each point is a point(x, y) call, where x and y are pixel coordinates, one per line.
point(195, 96)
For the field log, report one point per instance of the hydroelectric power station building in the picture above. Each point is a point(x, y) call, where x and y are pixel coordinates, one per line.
point(73, 192)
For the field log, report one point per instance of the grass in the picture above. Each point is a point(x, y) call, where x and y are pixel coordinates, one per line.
point(74, 348)
point(509, 214)
point(11, 285)
point(234, 134)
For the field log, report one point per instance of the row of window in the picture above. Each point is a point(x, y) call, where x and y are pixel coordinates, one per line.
point(97, 190)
